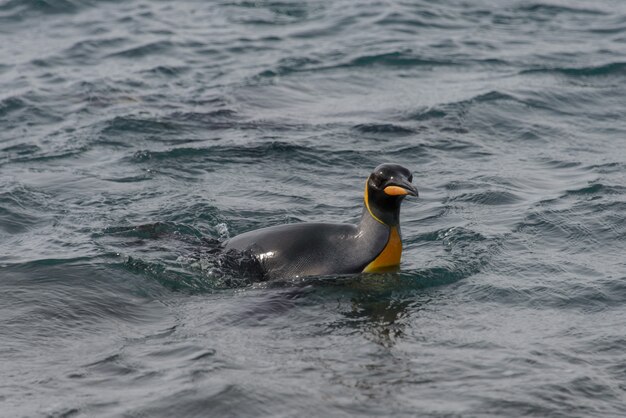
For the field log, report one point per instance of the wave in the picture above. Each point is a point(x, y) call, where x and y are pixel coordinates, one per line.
point(150, 48)
point(22, 208)
point(384, 129)
point(152, 231)
point(454, 109)
point(487, 197)
point(83, 52)
point(605, 70)
point(429, 19)
point(467, 149)
point(396, 59)
point(591, 297)
point(174, 125)
point(389, 59)
point(553, 9)
point(17, 10)
point(251, 153)
point(11, 104)
point(126, 124)
point(597, 189)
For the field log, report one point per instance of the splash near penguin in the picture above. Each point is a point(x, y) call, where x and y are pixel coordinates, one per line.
point(316, 249)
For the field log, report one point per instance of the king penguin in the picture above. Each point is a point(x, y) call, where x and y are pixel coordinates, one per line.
point(317, 249)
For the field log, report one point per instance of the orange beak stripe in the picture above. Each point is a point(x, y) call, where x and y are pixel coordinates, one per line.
point(395, 191)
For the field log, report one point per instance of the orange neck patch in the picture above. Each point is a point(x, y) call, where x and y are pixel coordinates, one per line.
point(390, 255)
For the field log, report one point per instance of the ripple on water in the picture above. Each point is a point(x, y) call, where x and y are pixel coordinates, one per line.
point(597, 189)
point(22, 208)
point(488, 197)
point(383, 129)
point(18, 9)
point(606, 70)
point(151, 48)
point(247, 154)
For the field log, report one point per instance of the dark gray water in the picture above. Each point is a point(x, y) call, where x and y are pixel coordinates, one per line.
point(133, 133)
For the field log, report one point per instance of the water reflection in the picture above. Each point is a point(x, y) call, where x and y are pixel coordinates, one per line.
point(379, 306)
point(382, 321)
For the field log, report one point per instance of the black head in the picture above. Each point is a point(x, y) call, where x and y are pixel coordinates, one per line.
point(385, 189)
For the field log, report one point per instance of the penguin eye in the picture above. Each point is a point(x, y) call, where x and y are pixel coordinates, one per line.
point(377, 180)
point(410, 178)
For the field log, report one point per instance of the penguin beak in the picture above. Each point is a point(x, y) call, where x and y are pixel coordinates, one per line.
point(402, 189)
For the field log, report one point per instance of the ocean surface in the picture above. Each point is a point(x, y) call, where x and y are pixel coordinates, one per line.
point(134, 135)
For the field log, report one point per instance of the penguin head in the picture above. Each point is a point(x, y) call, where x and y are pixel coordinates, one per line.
point(385, 189)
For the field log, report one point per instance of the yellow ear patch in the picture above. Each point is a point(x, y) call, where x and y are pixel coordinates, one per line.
point(390, 255)
point(367, 204)
point(395, 191)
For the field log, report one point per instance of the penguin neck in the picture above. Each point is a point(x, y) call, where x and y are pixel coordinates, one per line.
point(388, 218)
point(371, 234)
point(369, 223)
point(386, 213)
point(383, 243)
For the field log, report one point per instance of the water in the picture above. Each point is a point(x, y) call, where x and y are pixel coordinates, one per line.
point(133, 134)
